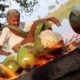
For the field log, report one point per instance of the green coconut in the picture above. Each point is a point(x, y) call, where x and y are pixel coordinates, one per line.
point(25, 58)
point(11, 63)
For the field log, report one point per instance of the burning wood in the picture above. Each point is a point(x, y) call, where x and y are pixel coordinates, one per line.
point(43, 59)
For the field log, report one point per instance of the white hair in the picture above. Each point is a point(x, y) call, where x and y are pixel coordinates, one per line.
point(13, 12)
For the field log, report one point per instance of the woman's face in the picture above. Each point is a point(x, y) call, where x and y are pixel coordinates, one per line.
point(13, 20)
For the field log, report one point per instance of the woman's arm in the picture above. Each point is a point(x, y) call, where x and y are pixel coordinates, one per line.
point(52, 19)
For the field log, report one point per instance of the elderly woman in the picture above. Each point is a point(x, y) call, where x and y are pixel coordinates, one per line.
point(16, 34)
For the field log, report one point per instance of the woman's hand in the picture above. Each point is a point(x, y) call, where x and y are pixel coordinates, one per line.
point(56, 21)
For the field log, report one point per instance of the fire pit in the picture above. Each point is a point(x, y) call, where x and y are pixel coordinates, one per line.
point(66, 67)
